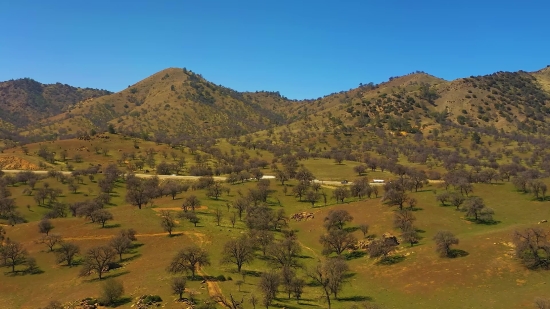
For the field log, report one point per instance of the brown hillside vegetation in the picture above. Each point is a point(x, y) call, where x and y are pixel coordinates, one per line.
point(24, 101)
point(176, 101)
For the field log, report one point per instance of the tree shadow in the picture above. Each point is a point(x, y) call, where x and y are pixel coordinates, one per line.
point(456, 253)
point(252, 273)
point(112, 226)
point(356, 298)
point(355, 255)
point(131, 258)
point(136, 245)
point(351, 229)
point(121, 301)
point(175, 235)
point(390, 260)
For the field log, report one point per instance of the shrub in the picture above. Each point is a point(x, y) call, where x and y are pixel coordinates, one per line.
point(220, 278)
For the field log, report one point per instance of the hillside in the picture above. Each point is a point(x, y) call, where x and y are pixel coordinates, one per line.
point(180, 103)
point(174, 102)
point(24, 101)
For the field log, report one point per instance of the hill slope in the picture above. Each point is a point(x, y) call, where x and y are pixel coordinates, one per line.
point(24, 101)
point(175, 102)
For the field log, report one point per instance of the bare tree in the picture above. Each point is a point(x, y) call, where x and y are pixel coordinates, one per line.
point(285, 252)
point(97, 260)
point(13, 254)
point(67, 252)
point(219, 215)
point(45, 226)
point(364, 228)
point(329, 275)
point(190, 202)
point(188, 259)
point(178, 286)
point(167, 221)
point(121, 245)
point(443, 242)
point(337, 241)
point(101, 216)
point(51, 240)
point(532, 247)
point(233, 219)
point(403, 219)
point(410, 235)
point(269, 285)
point(231, 302)
point(238, 251)
point(475, 207)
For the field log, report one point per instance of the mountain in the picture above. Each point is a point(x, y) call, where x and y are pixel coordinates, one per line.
point(504, 100)
point(174, 102)
point(181, 103)
point(24, 101)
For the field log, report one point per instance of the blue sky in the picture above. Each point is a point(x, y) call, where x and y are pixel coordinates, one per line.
point(304, 49)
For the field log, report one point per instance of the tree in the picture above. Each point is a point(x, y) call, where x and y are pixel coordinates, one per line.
point(382, 247)
point(238, 251)
point(288, 275)
point(111, 291)
point(456, 200)
point(67, 252)
point(120, 244)
point(136, 194)
point(241, 204)
point(443, 242)
point(269, 285)
point(97, 260)
point(178, 286)
point(45, 226)
point(219, 215)
point(188, 259)
point(215, 190)
point(403, 219)
point(312, 197)
point(532, 247)
point(51, 240)
point(190, 202)
point(336, 219)
point(337, 241)
point(285, 252)
point(13, 254)
point(282, 176)
point(396, 197)
point(329, 275)
point(300, 189)
point(340, 194)
point(410, 235)
point(191, 216)
point(364, 228)
point(475, 207)
point(360, 169)
point(262, 239)
point(102, 216)
point(167, 221)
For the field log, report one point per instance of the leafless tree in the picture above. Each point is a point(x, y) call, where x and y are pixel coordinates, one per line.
point(67, 252)
point(97, 260)
point(51, 240)
point(336, 219)
point(269, 285)
point(533, 247)
point(121, 245)
point(188, 259)
point(337, 241)
point(364, 228)
point(238, 251)
point(167, 221)
point(45, 226)
point(178, 286)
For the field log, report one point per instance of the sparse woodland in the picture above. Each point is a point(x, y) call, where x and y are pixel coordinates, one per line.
point(369, 198)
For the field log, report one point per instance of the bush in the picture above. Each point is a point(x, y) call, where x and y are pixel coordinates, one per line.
point(152, 299)
point(112, 290)
point(220, 278)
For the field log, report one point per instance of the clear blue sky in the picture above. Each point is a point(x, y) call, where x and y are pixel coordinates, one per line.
point(302, 48)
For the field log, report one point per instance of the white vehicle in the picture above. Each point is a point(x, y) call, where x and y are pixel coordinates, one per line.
point(378, 180)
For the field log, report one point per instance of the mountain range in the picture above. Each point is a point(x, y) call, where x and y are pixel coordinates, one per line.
point(179, 102)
